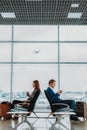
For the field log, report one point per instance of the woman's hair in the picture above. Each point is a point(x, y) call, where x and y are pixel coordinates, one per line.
point(36, 84)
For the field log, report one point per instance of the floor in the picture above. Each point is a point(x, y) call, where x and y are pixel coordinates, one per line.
point(41, 124)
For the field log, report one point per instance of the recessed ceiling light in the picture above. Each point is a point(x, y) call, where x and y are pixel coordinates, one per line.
point(8, 15)
point(74, 5)
point(74, 15)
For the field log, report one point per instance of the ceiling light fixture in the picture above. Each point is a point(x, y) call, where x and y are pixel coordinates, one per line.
point(8, 15)
point(74, 15)
point(74, 5)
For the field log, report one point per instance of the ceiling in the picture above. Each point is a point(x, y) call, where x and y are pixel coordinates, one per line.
point(43, 12)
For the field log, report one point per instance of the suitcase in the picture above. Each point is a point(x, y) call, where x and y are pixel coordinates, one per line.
point(81, 109)
point(4, 108)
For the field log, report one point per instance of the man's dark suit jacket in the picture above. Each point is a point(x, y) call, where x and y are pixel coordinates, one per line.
point(53, 96)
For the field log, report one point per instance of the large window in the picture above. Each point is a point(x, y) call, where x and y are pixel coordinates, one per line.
point(5, 52)
point(73, 33)
point(29, 53)
point(73, 52)
point(4, 82)
point(73, 81)
point(74, 77)
point(36, 52)
point(24, 74)
point(5, 33)
point(43, 52)
point(35, 33)
point(73, 61)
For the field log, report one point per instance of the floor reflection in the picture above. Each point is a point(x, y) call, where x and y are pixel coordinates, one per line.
point(40, 124)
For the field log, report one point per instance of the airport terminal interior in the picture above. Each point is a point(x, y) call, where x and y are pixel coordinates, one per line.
point(43, 41)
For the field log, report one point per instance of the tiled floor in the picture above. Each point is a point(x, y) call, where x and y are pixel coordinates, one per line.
point(40, 124)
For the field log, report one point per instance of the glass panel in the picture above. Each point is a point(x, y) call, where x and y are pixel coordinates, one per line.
point(73, 33)
point(5, 52)
point(74, 77)
point(73, 52)
point(25, 74)
point(36, 52)
point(5, 33)
point(4, 82)
point(35, 33)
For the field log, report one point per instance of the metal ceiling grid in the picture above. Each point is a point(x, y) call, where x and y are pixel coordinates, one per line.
point(43, 12)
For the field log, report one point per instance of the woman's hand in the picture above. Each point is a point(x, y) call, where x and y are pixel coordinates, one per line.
point(26, 101)
point(28, 94)
point(25, 105)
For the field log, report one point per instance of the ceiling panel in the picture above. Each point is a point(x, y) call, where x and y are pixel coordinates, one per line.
point(43, 11)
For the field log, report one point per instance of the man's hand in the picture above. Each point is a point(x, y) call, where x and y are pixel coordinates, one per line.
point(59, 92)
point(28, 94)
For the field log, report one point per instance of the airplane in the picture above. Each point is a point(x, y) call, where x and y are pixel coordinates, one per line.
point(36, 51)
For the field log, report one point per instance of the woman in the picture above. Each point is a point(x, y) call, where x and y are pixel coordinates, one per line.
point(36, 87)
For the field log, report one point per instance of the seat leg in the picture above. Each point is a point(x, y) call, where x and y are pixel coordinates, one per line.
point(64, 126)
point(18, 125)
point(30, 125)
point(24, 120)
point(58, 121)
point(54, 124)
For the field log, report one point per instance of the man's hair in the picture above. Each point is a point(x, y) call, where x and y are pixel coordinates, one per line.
point(51, 81)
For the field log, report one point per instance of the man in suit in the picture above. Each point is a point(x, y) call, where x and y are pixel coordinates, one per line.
point(55, 97)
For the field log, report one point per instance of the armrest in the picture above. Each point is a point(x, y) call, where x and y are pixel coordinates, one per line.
point(19, 105)
point(22, 105)
point(60, 104)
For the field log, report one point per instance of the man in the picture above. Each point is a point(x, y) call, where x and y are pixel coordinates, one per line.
point(55, 97)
